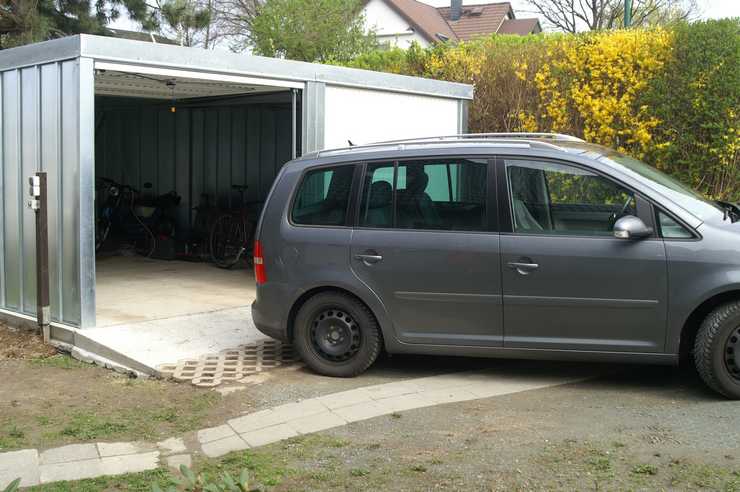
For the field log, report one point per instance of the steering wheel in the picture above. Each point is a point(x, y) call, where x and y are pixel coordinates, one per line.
point(622, 212)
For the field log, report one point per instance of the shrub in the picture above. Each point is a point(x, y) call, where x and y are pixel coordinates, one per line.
point(668, 96)
point(697, 100)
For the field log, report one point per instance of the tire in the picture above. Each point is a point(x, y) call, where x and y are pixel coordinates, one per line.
point(716, 350)
point(228, 240)
point(354, 329)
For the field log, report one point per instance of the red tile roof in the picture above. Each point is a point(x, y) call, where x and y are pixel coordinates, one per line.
point(424, 18)
point(520, 26)
point(434, 24)
point(478, 20)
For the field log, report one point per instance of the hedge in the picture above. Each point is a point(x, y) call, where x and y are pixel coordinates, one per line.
point(670, 96)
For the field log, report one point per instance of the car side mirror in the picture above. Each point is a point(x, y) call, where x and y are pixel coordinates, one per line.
point(631, 227)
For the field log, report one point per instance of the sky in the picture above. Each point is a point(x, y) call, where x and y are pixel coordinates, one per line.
point(710, 9)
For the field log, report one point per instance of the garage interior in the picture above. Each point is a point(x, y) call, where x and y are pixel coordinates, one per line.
point(188, 147)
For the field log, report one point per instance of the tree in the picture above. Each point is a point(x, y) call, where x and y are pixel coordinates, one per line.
point(578, 15)
point(310, 30)
point(28, 21)
point(188, 21)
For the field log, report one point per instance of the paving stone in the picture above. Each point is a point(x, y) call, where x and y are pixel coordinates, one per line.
point(292, 411)
point(444, 381)
point(402, 403)
point(345, 398)
point(216, 449)
point(380, 391)
point(269, 435)
point(77, 470)
point(65, 454)
point(133, 463)
point(361, 411)
point(121, 448)
point(172, 445)
point(177, 460)
point(215, 433)
point(317, 422)
point(448, 395)
point(257, 420)
point(22, 464)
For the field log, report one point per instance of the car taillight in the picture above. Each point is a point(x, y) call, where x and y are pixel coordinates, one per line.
point(259, 264)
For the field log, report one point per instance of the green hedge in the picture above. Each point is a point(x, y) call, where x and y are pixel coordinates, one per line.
point(670, 96)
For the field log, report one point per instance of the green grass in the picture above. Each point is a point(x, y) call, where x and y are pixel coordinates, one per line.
point(59, 361)
point(135, 482)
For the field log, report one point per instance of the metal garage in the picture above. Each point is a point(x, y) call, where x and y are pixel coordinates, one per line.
point(172, 118)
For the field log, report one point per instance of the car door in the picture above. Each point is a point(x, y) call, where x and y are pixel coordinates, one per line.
point(568, 283)
point(425, 244)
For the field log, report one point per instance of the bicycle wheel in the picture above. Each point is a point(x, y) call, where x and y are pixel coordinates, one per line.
point(228, 240)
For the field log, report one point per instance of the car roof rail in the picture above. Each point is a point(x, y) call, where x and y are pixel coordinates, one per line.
point(497, 139)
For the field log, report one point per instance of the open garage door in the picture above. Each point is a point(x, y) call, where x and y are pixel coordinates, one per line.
point(183, 162)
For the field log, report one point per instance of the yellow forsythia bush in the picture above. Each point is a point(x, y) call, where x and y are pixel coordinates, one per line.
point(670, 96)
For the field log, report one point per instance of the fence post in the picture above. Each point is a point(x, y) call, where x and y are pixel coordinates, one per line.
point(38, 203)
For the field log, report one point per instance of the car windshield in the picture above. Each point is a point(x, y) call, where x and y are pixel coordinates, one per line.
point(692, 201)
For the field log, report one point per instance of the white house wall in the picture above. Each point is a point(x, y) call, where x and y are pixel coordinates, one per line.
point(389, 26)
point(365, 116)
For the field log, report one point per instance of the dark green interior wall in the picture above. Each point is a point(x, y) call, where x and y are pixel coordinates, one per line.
point(202, 148)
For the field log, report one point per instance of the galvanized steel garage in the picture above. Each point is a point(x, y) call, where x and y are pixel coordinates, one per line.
point(177, 118)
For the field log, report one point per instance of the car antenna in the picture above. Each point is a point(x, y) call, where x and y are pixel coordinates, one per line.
point(350, 143)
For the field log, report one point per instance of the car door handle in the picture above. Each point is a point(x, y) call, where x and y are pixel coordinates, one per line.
point(523, 267)
point(369, 259)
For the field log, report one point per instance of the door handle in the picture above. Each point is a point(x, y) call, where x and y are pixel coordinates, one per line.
point(524, 266)
point(369, 259)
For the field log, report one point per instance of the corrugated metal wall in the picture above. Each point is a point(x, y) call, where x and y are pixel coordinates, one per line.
point(198, 149)
point(40, 131)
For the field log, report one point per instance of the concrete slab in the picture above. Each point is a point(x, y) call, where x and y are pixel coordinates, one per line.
point(166, 341)
point(133, 289)
point(269, 435)
point(216, 449)
point(22, 464)
point(178, 460)
point(215, 433)
point(72, 452)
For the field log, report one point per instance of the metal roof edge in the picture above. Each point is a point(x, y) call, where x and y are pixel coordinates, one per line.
point(40, 53)
point(143, 53)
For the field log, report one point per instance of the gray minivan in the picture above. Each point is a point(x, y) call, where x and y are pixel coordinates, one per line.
point(537, 246)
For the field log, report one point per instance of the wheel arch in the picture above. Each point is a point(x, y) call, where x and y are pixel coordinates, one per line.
point(695, 319)
point(305, 296)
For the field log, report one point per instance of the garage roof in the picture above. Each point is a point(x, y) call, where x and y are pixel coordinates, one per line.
point(139, 56)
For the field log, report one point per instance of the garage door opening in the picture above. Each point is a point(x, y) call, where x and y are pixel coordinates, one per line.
point(182, 167)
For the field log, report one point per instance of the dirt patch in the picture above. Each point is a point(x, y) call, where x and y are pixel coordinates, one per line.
point(22, 344)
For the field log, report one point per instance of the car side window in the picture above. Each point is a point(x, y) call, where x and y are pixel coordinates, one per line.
point(557, 199)
point(446, 194)
point(322, 196)
point(670, 229)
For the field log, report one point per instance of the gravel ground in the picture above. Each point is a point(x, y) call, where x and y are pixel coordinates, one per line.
point(633, 427)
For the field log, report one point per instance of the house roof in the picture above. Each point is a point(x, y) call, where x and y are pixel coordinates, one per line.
point(520, 26)
point(434, 23)
point(424, 18)
point(478, 20)
point(139, 36)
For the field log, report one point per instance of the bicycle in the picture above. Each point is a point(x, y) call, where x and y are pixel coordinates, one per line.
point(232, 233)
point(116, 214)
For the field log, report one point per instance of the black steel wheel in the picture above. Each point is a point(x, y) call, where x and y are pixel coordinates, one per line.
point(732, 354)
point(336, 335)
point(717, 350)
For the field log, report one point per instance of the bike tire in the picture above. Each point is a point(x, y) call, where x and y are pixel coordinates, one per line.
point(228, 240)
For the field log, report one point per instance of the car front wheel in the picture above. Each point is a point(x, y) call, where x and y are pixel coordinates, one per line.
point(717, 350)
point(336, 335)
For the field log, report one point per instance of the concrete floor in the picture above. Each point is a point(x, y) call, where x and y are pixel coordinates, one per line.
point(134, 289)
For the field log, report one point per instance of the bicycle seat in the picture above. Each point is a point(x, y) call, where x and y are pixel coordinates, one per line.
point(239, 187)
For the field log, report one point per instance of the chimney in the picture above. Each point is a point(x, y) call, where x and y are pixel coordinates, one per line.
point(455, 9)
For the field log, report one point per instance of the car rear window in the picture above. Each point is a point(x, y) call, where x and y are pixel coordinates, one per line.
point(323, 196)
